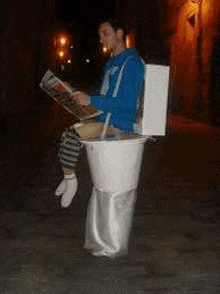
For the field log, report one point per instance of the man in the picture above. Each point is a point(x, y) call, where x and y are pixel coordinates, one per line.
point(123, 78)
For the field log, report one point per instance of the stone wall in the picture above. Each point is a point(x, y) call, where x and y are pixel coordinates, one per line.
point(193, 27)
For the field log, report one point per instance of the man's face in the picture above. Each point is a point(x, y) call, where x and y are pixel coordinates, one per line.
point(108, 36)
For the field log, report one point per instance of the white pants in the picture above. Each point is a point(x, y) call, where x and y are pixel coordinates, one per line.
point(109, 221)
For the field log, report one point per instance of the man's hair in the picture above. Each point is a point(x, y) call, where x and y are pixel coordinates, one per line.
point(117, 24)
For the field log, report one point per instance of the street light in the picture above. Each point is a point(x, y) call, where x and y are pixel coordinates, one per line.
point(63, 41)
point(62, 45)
point(61, 54)
point(63, 48)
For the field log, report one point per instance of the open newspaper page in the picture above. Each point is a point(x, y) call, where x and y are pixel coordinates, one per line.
point(60, 92)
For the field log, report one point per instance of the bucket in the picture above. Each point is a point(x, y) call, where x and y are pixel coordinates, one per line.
point(115, 165)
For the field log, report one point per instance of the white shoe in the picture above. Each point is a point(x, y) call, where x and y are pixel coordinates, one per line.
point(61, 188)
point(71, 186)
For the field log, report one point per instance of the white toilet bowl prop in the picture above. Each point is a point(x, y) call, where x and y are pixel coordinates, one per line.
point(154, 105)
point(115, 168)
point(108, 223)
point(115, 165)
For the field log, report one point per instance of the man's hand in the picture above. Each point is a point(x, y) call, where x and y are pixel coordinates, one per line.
point(81, 98)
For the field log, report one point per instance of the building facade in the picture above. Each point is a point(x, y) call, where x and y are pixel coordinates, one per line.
point(189, 30)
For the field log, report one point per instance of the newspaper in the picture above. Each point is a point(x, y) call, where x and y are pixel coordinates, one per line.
point(60, 92)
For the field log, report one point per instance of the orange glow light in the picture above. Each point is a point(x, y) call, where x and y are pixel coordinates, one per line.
point(61, 54)
point(127, 42)
point(105, 49)
point(63, 41)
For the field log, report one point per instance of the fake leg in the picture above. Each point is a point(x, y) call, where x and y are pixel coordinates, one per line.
point(68, 154)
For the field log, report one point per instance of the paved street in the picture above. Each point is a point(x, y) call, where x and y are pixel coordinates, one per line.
point(175, 240)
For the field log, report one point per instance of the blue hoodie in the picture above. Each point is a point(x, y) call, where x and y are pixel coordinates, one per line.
point(122, 82)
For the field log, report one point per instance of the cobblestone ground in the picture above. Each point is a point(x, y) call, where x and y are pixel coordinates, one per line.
point(174, 245)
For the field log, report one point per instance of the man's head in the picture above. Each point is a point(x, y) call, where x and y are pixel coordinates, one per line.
point(113, 35)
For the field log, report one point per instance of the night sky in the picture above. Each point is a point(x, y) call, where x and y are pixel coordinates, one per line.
point(83, 10)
